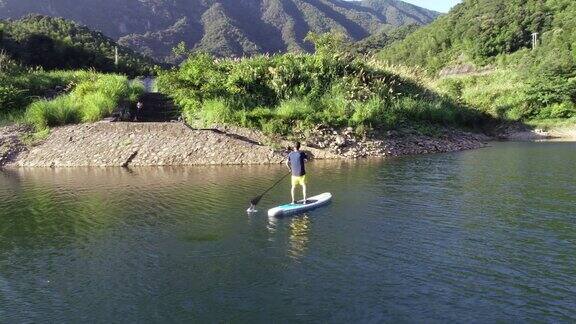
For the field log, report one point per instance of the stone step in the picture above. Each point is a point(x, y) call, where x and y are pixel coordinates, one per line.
point(157, 108)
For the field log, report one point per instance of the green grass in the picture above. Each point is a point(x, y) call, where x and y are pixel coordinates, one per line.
point(510, 94)
point(74, 96)
point(552, 123)
point(91, 99)
point(10, 118)
point(48, 113)
point(501, 94)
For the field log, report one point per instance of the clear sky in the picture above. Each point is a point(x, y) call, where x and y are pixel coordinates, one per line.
point(438, 5)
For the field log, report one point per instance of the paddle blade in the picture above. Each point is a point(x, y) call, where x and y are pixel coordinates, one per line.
point(256, 200)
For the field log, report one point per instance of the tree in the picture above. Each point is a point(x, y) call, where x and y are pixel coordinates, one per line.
point(328, 44)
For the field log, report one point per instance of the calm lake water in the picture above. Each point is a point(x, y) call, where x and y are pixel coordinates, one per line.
point(486, 235)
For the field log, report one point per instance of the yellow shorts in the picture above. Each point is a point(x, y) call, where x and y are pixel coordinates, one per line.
point(298, 180)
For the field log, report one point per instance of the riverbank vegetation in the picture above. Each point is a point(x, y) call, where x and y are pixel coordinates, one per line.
point(482, 50)
point(510, 94)
point(93, 96)
point(282, 93)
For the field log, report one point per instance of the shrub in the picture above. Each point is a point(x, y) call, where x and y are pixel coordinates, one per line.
point(10, 97)
point(558, 110)
point(96, 106)
point(335, 109)
point(49, 113)
point(93, 97)
point(276, 126)
point(216, 112)
point(257, 117)
point(295, 109)
point(368, 112)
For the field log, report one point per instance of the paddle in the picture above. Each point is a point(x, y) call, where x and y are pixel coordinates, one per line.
point(256, 200)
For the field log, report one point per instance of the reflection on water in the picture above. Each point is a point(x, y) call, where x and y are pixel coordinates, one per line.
point(484, 235)
point(299, 236)
point(299, 228)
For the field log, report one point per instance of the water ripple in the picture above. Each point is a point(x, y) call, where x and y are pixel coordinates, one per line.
point(482, 235)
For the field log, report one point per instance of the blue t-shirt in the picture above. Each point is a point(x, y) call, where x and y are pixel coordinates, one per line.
point(296, 160)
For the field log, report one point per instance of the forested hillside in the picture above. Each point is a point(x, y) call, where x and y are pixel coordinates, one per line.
point(55, 43)
point(225, 28)
point(479, 31)
point(495, 36)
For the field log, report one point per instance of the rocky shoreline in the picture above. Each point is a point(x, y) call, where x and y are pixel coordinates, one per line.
point(107, 144)
point(348, 144)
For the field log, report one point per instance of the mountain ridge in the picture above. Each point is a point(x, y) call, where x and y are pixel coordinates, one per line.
point(225, 27)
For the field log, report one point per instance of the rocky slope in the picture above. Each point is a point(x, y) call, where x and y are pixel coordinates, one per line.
point(168, 144)
point(11, 144)
point(146, 144)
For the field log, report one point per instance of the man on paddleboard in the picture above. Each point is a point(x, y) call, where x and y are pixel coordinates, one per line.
point(295, 163)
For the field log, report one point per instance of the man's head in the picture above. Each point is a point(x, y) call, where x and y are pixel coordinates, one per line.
point(296, 146)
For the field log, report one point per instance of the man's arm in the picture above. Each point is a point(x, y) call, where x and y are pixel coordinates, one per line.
point(288, 164)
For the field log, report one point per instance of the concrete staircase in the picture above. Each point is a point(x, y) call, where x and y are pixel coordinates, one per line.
point(157, 108)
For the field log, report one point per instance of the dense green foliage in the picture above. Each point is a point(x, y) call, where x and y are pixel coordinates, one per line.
point(93, 97)
point(524, 84)
point(509, 94)
point(500, 94)
point(286, 93)
point(474, 31)
point(55, 43)
point(224, 28)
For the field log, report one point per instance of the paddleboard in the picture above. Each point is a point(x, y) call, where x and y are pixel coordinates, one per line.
point(298, 208)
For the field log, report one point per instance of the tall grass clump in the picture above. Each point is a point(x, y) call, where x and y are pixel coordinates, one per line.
point(94, 97)
point(295, 109)
point(46, 113)
point(501, 93)
point(96, 106)
point(216, 111)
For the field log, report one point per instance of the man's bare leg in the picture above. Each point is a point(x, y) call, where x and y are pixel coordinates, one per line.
point(292, 192)
point(304, 192)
